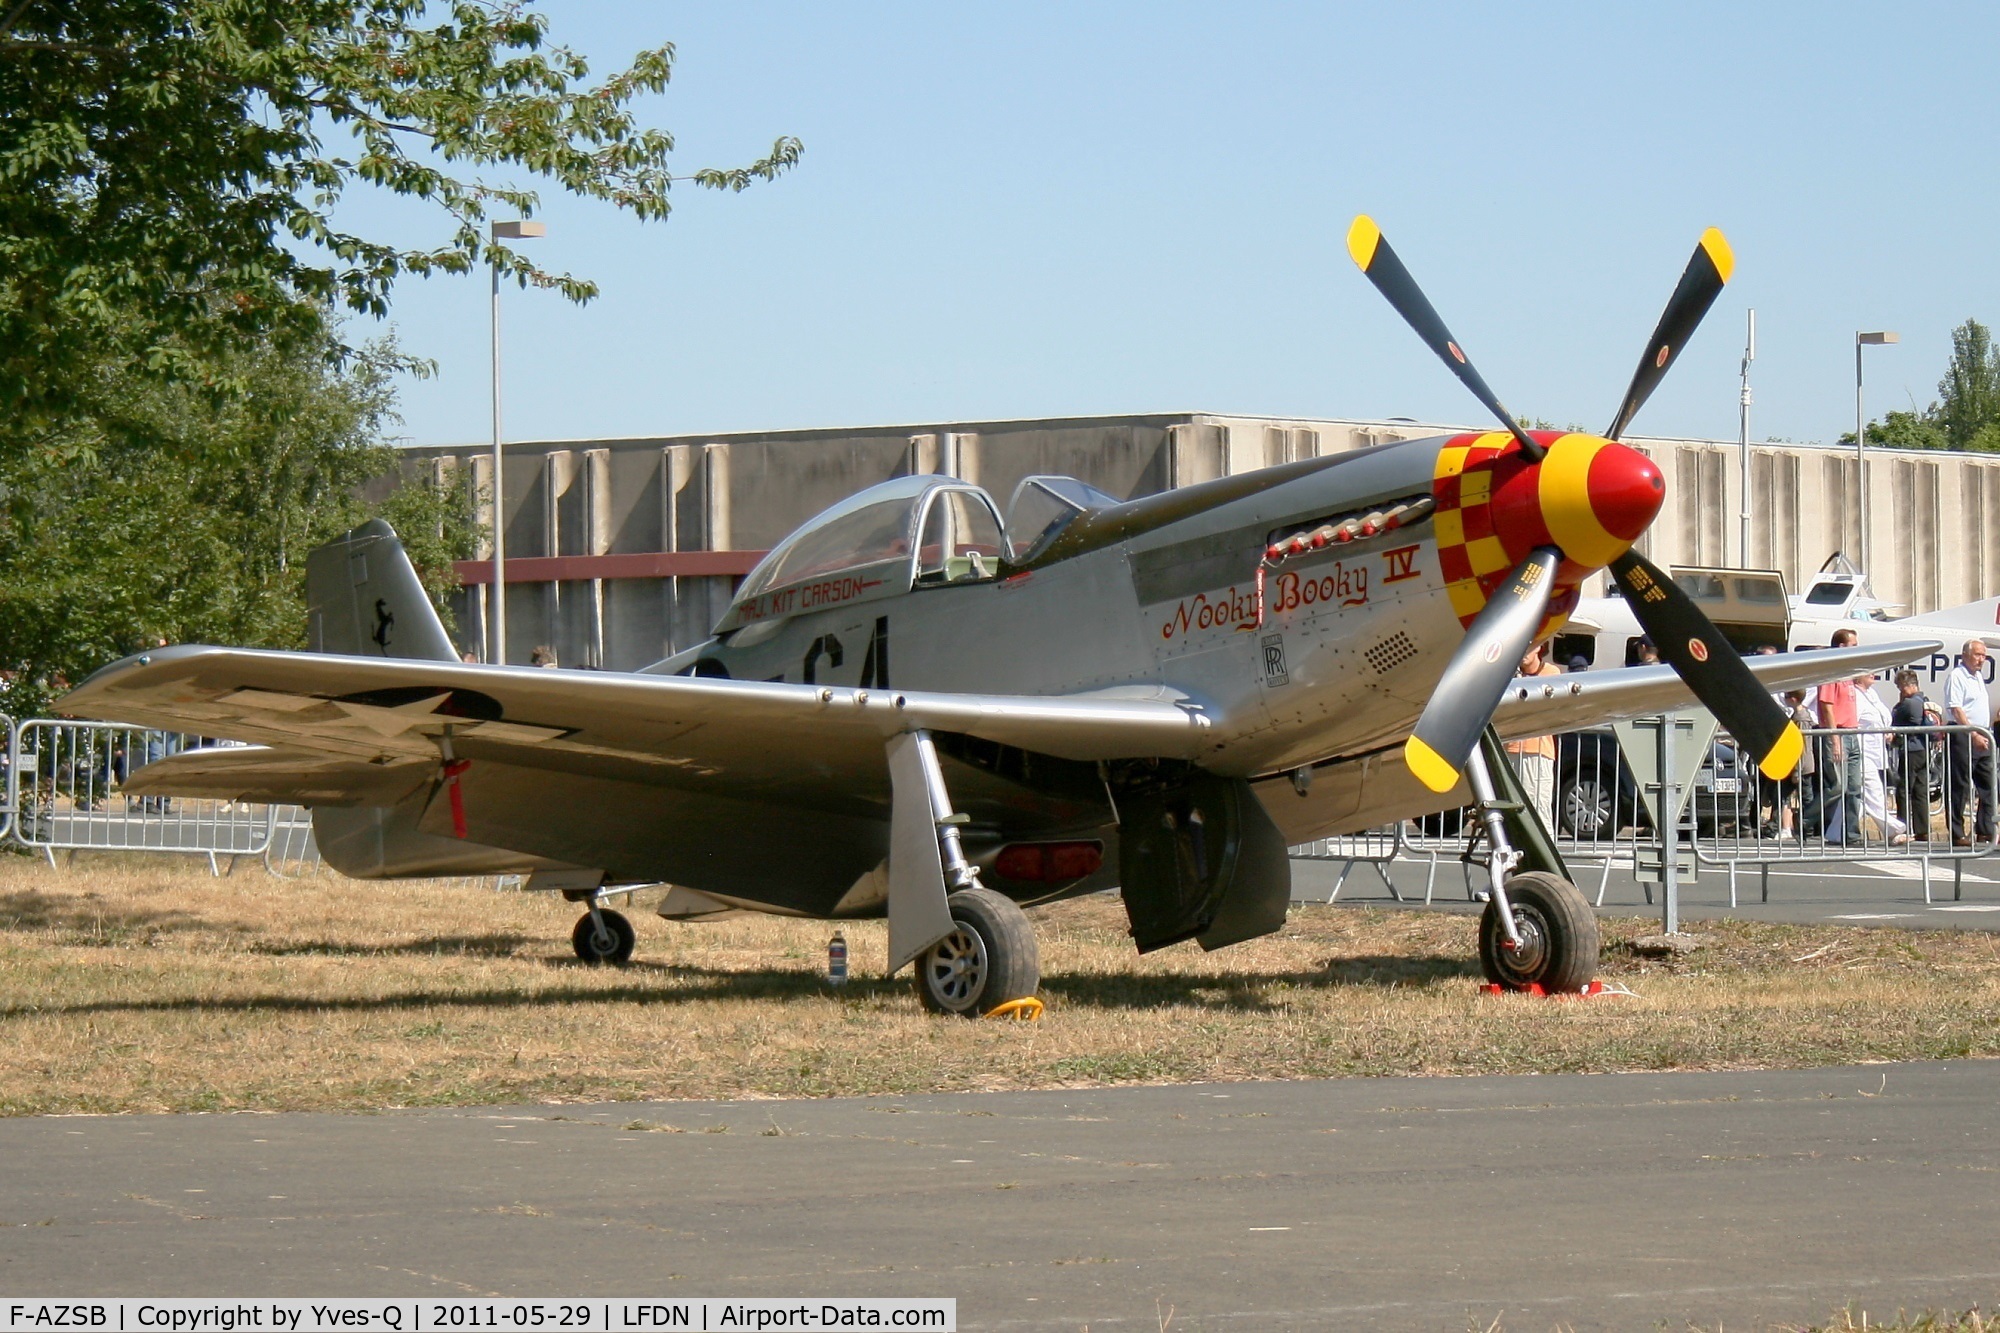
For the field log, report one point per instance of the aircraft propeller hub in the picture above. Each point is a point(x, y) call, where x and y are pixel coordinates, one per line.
point(1587, 496)
point(1596, 497)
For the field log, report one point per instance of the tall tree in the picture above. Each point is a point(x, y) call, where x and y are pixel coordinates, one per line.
point(1967, 415)
point(185, 518)
point(1968, 406)
point(170, 171)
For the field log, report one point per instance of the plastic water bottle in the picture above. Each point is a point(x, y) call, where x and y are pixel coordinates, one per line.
point(836, 959)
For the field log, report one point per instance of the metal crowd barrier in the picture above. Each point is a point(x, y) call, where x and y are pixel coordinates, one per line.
point(65, 789)
point(292, 853)
point(7, 787)
point(1735, 818)
point(1374, 848)
point(1433, 838)
point(1908, 778)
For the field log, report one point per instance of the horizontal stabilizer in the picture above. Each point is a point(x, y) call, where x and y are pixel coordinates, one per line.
point(279, 776)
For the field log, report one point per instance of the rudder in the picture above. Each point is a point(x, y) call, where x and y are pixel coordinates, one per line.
point(363, 599)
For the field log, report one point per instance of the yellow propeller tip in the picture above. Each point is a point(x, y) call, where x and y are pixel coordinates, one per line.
point(1430, 767)
point(1783, 756)
point(1719, 253)
point(1362, 238)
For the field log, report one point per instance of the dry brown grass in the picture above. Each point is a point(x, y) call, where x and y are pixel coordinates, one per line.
point(137, 986)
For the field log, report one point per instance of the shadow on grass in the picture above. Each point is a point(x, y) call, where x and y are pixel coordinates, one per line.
point(1233, 991)
point(456, 946)
point(27, 909)
point(1251, 991)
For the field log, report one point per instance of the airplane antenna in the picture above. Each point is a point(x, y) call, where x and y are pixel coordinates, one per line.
point(1743, 438)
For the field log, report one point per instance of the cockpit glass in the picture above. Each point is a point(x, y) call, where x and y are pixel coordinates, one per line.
point(1828, 594)
point(878, 532)
point(873, 532)
point(1043, 506)
point(961, 539)
point(866, 547)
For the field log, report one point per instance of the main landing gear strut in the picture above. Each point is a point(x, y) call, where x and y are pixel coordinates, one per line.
point(982, 953)
point(1537, 930)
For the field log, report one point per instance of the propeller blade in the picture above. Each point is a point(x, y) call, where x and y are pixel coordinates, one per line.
point(1700, 284)
point(1690, 643)
point(1386, 271)
point(1479, 672)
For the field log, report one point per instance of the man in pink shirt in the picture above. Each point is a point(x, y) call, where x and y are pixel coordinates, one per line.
point(1840, 769)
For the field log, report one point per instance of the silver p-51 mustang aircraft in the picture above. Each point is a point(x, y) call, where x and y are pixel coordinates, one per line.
point(915, 710)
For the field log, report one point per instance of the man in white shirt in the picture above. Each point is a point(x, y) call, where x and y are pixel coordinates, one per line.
point(1969, 765)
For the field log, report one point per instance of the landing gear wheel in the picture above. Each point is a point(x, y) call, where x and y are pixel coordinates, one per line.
point(990, 959)
point(1558, 933)
point(613, 944)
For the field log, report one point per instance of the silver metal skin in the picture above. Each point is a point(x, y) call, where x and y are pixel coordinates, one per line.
point(807, 764)
point(1502, 856)
point(920, 857)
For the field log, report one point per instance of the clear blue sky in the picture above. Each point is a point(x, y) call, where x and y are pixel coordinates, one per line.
point(1036, 210)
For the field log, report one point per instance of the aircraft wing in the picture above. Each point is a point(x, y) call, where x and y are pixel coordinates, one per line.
point(1544, 704)
point(362, 725)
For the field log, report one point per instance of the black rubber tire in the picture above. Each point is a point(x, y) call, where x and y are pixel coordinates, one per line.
point(592, 949)
point(1558, 933)
point(990, 959)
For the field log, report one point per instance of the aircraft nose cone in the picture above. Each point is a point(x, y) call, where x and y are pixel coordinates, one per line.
point(1626, 491)
point(1596, 497)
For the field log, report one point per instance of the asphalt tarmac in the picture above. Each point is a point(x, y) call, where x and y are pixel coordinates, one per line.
point(1586, 1201)
point(1884, 893)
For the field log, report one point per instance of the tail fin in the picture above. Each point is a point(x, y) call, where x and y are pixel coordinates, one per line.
point(363, 598)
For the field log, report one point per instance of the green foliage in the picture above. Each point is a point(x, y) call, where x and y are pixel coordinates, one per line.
point(1904, 430)
point(1967, 414)
point(1969, 393)
point(170, 172)
point(185, 519)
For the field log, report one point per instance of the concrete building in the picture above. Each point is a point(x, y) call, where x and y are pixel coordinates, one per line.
point(623, 551)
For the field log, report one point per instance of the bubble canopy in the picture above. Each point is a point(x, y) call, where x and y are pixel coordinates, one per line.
point(909, 531)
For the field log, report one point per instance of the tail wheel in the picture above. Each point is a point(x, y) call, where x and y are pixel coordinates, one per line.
point(987, 961)
point(611, 944)
point(1558, 930)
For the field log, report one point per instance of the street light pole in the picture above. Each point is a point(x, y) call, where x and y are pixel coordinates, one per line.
point(1743, 443)
point(502, 231)
point(1860, 440)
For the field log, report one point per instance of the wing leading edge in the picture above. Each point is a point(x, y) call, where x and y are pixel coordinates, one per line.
point(1544, 704)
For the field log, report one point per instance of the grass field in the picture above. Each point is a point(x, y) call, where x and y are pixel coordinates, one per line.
point(128, 985)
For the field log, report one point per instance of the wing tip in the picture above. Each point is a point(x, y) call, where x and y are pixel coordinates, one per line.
point(1363, 237)
point(1716, 245)
point(1431, 768)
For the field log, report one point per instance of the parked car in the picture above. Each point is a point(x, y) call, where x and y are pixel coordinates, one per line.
point(1597, 796)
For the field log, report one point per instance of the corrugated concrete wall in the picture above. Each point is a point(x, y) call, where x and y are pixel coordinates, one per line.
point(569, 504)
